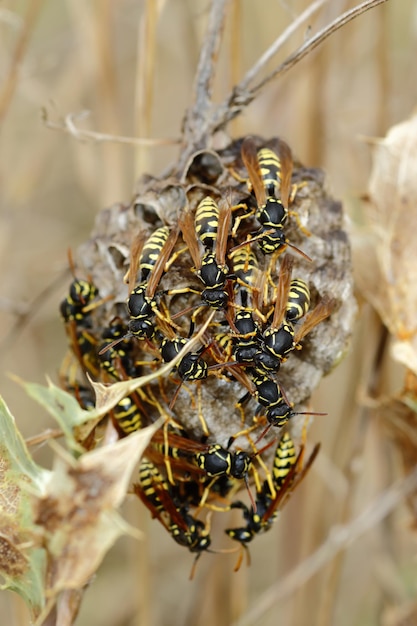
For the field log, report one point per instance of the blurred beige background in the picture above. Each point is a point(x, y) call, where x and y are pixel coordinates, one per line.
point(88, 55)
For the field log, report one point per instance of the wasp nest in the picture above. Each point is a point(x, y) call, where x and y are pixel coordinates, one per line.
point(249, 249)
point(315, 226)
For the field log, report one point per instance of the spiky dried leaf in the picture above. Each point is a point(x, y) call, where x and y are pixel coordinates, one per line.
point(22, 561)
point(77, 513)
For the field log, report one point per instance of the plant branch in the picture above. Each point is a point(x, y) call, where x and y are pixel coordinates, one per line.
point(196, 122)
point(278, 43)
point(241, 97)
point(68, 126)
point(22, 44)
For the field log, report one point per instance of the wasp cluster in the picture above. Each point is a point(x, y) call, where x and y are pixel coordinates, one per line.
point(251, 248)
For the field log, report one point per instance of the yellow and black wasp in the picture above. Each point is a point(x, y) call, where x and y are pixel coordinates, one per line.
point(210, 460)
point(159, 498)
point(272, 400)
point(210, 227)
point(128, 416)
point(208, 464)
point(191, 366)
point(77, 306)
point(288, 472)
point(246, 337)
point(269, 395)
point(116, 351)
point(150, 262)
point(292, 303)
point(270, 178)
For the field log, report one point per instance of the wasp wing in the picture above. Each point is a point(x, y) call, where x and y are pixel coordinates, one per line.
point(250, 159)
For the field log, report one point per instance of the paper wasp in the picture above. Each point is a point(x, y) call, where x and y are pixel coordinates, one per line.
point(210, 460)
point(298, 302)
point(278, 410)
point(292, 302)
point(76, 307)
point(116, 351)
point(155, 492)
point(245, 341)
point(288, 472)
point(270, 178)
point(151, 261)
point(210, 227)
point(207, 463)
point(269, 395)
point(191, 366)
point(127, 416)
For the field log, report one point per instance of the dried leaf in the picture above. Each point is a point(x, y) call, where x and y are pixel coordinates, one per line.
point(65, 409)
point(22, 561)
point(78, 511)
point(392, 214)
point(61, 406)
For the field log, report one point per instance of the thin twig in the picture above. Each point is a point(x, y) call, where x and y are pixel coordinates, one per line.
point(355, 425)
point(278, 43)
point(10, 83)
point(240, 98)
point(319, 38)
point(208, 61)
point(27, 314)
point(340, 537)
point(145, 76)
point(68, 126)
point(196, 123)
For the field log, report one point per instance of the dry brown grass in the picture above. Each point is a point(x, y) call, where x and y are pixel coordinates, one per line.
point(132, 65)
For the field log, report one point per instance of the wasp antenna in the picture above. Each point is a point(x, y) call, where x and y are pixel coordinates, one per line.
point(251, 498)
point(263, 433)
point(71, 261)
point(230, 322)
point(194, 566)
point(303, 254)
point(175, 396)
point(224, 550)
point(253, 239)
point(114, 343)
point(268, 445)
point(185, 311)
point(243, 549)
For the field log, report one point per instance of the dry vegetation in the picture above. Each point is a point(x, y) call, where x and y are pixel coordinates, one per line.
point(132, 65)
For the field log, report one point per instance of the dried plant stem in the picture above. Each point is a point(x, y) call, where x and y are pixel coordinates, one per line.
point(197, 116)
point(236, 53)
point(10, 83)
point(340, 537)
point(203, 119)
point(27, 313)
point(382, 67)
point(68, 606)
point(278, 43)
point(372, 375)
point(242, 97)
point(208, 60)
point(317, 39)
point(146, 54)
point(68, 126)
